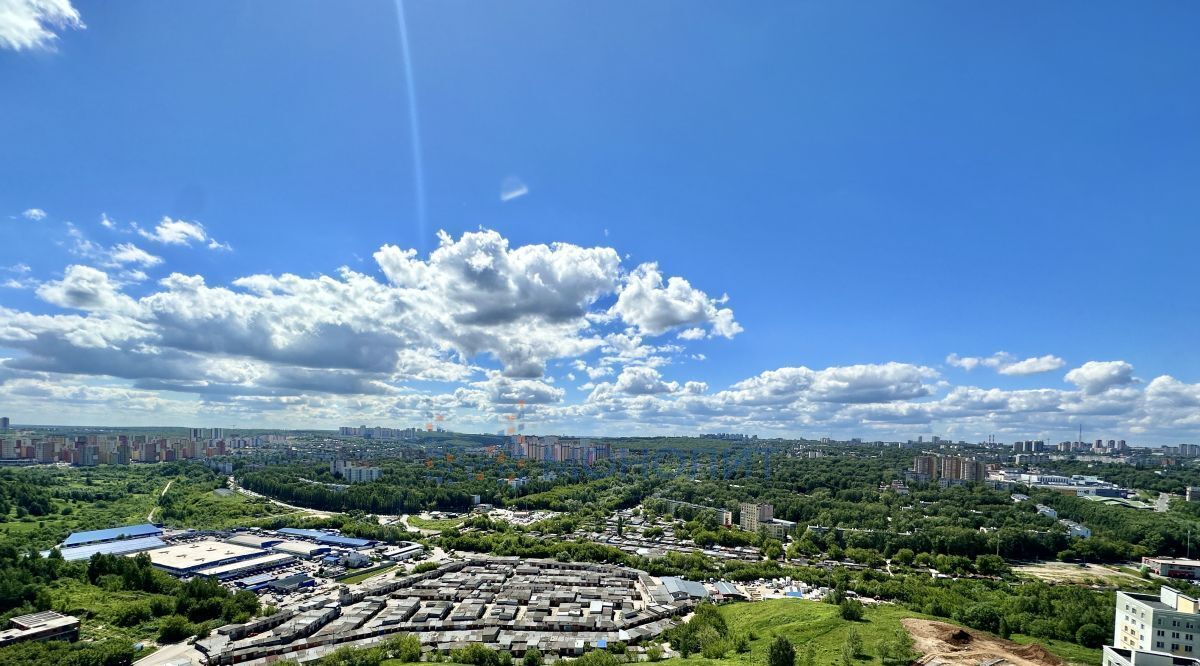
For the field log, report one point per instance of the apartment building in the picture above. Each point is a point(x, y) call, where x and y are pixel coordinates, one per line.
point(1169, 622)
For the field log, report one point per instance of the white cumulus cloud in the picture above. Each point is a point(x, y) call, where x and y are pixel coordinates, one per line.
point(655, 308)
point(1098, 376)
point(1007, 364)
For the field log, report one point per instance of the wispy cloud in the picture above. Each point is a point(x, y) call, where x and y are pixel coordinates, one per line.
point(1007, 364)
point(181, 232)
point(512, 188)
point(31, 24)
point(35, 214)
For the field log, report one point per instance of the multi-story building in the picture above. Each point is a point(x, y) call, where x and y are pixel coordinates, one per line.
point(952, 467)
point(761, 518)
point(752, 515)
point(354, 472)
point(1166, 623)
point(552, 449)
point(4, 423)
point(925, 468)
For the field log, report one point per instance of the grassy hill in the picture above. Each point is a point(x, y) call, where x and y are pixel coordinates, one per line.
point(819, 624)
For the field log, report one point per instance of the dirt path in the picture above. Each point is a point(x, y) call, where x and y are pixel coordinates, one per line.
point(150, 516)
point(950, 645)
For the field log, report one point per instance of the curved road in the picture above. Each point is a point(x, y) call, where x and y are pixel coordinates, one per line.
point(232, 483)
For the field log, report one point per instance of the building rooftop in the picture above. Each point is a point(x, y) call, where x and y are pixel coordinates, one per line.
point(325, 537)
point(121, 547)
point(221, 570)
point(112, 533)
point(1176, 560)
point(44, 618)
point(189, 556)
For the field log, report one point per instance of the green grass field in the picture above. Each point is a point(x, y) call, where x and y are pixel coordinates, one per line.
point(439, 525)
point(804, 623)
point(360, 577)
point(819, 624)
point(200, 507)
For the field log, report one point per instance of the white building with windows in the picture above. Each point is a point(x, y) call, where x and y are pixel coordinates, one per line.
point(1167, 623)
point(1076, 530)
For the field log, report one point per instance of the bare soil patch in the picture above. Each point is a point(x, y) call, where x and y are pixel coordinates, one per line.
point(942, 644)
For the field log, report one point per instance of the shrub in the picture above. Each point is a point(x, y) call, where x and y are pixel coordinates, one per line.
point(781, 653)
point(174, 628)
point(851, 610)
point(1091, 635)
point(532, 658)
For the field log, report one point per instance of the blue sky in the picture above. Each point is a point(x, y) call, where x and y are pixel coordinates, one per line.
point(869, 185)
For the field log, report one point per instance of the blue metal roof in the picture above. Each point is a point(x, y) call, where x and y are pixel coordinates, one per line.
point(111, 548)
point(679, 585)
point(112, 533)
point(251, 581)
point(325, 537)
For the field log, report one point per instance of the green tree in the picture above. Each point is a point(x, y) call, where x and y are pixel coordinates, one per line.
point(405, 647)
point(851, 610)
point(174, 628)
point(1091, 635)
point(897, 650)
point(855, 641)
point(781, 653)
point(532, 658)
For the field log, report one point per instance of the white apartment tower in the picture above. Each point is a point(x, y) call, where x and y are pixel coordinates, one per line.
point(1169, 622)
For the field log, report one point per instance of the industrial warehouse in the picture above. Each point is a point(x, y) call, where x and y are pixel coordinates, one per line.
point(504, 602)
point(279, 561)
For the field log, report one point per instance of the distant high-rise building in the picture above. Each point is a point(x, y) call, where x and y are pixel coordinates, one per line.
point(925, 467)
point(45, 451)
point(957, 468)
point(353, 472)
point(3, 423)
point(952, 467)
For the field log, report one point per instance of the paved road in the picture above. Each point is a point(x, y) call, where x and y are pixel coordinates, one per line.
point(171, 654)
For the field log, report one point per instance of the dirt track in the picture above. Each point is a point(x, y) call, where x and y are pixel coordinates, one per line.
point(941, 643)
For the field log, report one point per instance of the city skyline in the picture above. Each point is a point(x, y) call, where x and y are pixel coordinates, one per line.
point(602, 230)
